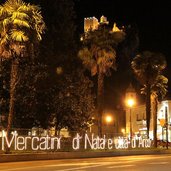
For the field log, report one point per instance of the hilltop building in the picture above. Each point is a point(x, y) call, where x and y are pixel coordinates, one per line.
point(92, 23)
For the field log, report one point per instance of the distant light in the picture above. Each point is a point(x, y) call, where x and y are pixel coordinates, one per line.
point(59, 70)
point(130, 102)
point(108, 119)
point(123, 130)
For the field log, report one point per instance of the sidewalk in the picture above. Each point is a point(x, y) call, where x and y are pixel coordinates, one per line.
point(74, 155)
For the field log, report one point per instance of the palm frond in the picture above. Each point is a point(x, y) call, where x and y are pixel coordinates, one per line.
point(3, 12)
point(39, 24)
point(21, 23)
point(13, 4)
point(20, 15)
point(86, 56)
point(6, 22)
point(147, 66)
point(159, 88)
point(19, 36)
point(28, 8)
point(4, 40)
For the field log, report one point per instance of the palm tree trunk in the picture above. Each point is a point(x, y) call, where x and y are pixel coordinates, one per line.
point(100, 96)
point(155, 103)
point(148, 108)
point(1, 86)
point(13, 83)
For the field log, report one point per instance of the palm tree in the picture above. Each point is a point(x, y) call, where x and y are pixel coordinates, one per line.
point(147, 66)
point(99, 55)
point(21, 27)
point(159, 90)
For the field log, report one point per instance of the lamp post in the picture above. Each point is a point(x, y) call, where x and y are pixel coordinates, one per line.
point(108, 120)
point(130, 104)
point(162, 124)
point(166, 125)
point(123, 131)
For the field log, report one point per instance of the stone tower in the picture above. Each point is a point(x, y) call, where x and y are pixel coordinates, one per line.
point(90, 23)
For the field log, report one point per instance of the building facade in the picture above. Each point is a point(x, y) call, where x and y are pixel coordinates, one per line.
point(138, 123)
point(92, 23)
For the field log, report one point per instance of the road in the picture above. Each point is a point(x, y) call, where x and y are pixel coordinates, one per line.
point(124, 163)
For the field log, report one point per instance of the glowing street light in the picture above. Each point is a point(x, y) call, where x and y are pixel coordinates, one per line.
point(130, 103)
point(123, 131)
point(108, 119)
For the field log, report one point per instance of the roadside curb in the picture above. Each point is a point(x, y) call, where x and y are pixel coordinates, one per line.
point(75, 155)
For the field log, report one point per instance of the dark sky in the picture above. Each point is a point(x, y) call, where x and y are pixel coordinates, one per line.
point(152, 18)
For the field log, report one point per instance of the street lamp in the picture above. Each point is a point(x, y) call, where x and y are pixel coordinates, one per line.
point(166, 125)
point(130, 104)
point(108, 120)
point(123, 131)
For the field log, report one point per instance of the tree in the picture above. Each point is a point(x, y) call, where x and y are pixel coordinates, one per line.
point(158, 91)
point(59, 41)
point(56, 50)
point(99, 55)
point(30, 88)
point(73, 102)
point(21, 27)
point(147, 66)
point(4, 90)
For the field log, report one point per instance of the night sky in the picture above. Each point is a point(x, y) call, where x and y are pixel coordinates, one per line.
point(151, 17)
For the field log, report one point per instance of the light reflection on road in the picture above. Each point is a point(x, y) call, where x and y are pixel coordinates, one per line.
point(124, 163)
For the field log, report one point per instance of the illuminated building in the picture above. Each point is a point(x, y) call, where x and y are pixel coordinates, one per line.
point(90, 23)
point(138, 112)
point(103, 20)
point(115, 28)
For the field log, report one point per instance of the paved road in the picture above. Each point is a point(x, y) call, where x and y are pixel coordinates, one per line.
point(125, 163)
